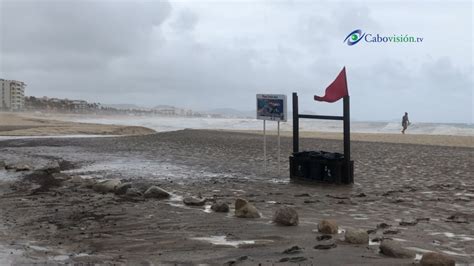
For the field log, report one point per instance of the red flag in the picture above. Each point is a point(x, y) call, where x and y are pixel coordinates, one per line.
point(337, 89)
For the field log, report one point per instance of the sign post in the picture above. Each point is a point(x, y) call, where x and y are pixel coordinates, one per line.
point(279, 148)
point(264, 148)
point(271, 107)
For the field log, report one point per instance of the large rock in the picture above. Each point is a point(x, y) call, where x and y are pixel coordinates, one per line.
point(394, 249)
point(286, 216)
point(51, 167)
point(19, 167)
point(157, 193)
point(408, 222)
point(220, 206)
point(436, 259)
point(244, 209)
point(106, 186)
point(133, 193)
point(122, 188)
point(61, 177)
point(2, 165)
point(192, 201)
point(328, 227)
point(356, 236)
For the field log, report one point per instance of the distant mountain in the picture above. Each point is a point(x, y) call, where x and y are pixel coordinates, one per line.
point(164, 106)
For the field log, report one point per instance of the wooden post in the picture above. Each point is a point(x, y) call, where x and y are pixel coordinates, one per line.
point(347, 134)
point(296, 124)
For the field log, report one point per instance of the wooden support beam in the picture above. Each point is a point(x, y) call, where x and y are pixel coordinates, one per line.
point(296, 124)
point(323, 117)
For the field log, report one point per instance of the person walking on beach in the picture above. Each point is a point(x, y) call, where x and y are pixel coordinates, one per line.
point(405, 122)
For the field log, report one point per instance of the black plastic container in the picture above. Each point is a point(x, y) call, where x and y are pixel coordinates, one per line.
point(321, 166)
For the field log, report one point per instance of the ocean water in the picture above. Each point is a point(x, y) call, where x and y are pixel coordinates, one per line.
point(162, 124)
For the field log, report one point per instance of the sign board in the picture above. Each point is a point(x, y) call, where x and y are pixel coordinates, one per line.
point(271, 107)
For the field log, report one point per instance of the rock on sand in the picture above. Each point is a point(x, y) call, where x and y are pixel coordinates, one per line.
point(356, 236)
point(220, 206)
point(19, 167)
point(51, 167)
point(192, 201)
point(244, 209)
point(156, 192)
point(122, 188)
point(133, 193)
point(436, 259)
point(286, 216)
point(328, 227)
point(106, 186)
point(394, 249)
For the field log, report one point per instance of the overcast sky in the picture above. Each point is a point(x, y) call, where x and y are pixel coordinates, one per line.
point(219, 54)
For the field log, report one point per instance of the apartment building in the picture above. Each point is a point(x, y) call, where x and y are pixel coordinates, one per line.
point(12, 95)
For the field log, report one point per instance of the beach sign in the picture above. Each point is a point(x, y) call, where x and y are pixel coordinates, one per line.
point(271, 107)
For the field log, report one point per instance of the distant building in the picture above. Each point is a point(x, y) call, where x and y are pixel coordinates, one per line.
point(12, 95)
point(79, 105)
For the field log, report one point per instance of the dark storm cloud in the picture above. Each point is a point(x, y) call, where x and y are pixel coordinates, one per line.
point(54, 34)
point(208, 55)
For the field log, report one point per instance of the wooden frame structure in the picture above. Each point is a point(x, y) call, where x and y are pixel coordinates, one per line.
point(348, 164)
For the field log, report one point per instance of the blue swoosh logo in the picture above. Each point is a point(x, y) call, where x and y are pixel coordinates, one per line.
point(351, 37)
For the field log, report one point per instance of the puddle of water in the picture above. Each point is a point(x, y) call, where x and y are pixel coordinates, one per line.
point(372, 243)
point(280, 181)
point(456, 253)
point(207, 208)
point(38, 248)
point(59, 258)
point(421, 250)
point(359, 216)
point(399, 239)
point(222, 241)
point(418, 257)
point(57, 137)
point(176, 201)
point(465, 194)
point(8, 256)
point(451, 235)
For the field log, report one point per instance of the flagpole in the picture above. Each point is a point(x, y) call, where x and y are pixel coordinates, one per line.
point(347, 132)
point(295, 123)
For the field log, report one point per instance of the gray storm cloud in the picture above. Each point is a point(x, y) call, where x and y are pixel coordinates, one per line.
point(206, 55)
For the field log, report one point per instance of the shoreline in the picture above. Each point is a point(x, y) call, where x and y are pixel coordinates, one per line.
point(30, 125)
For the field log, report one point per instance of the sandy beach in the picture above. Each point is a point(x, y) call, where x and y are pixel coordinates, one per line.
point(422, 139)
point(27, 124)
point(61, 219)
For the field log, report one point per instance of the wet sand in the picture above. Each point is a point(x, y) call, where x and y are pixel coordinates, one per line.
point(408, 138)
point(69, 222)
point(25, 124)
